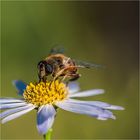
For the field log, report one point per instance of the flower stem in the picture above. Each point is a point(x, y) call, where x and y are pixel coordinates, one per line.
point(47, 136)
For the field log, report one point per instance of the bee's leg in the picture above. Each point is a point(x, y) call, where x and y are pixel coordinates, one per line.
point(74, 76)
point(39, 78)
point(59, 73)
point(42, 79)
point(64, 70)
point(64, 77)
point(67, 61)
point(55, 78)
point(41, 71)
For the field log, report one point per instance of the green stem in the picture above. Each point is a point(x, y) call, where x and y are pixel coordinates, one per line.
point(48, 135)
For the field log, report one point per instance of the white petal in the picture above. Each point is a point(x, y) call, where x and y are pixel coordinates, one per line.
point(10, 100)
point(84, 109)
point(11, 111)
point(73, 87)
point(105, 115)
point(102, 118)
point(87, 93)
point(12, 105)
point(98, 104)
point(45, 118)
point(20, 86)
point(18, 114)
point(106, 105)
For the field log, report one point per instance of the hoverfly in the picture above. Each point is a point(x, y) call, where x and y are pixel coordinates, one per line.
point(59, 65)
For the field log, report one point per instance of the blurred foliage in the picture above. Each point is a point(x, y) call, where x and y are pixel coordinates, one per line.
point(101, 32)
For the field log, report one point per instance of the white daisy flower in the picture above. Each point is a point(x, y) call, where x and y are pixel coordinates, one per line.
point(46, 97)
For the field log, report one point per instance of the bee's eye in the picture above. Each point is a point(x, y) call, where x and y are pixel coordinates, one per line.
point(44, 65)
point(48, 68)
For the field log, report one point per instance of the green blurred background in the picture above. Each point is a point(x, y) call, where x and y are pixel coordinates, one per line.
point(100, 32)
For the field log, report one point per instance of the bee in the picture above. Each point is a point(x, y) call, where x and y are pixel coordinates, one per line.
point(59, 65)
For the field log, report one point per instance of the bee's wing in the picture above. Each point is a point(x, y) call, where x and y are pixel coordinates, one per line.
point(83, 64)
point(56, 50)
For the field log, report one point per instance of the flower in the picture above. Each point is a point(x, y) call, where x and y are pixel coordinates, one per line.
point(46, 97)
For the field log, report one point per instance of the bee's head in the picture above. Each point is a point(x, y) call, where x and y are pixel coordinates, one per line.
point(45, 67)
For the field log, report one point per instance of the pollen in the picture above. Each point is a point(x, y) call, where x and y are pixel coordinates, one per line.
point(45, 92)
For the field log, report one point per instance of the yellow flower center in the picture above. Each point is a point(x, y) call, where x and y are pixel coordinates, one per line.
point(45, 92)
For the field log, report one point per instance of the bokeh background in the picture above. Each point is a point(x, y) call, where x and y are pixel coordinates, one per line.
point(101, 32)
